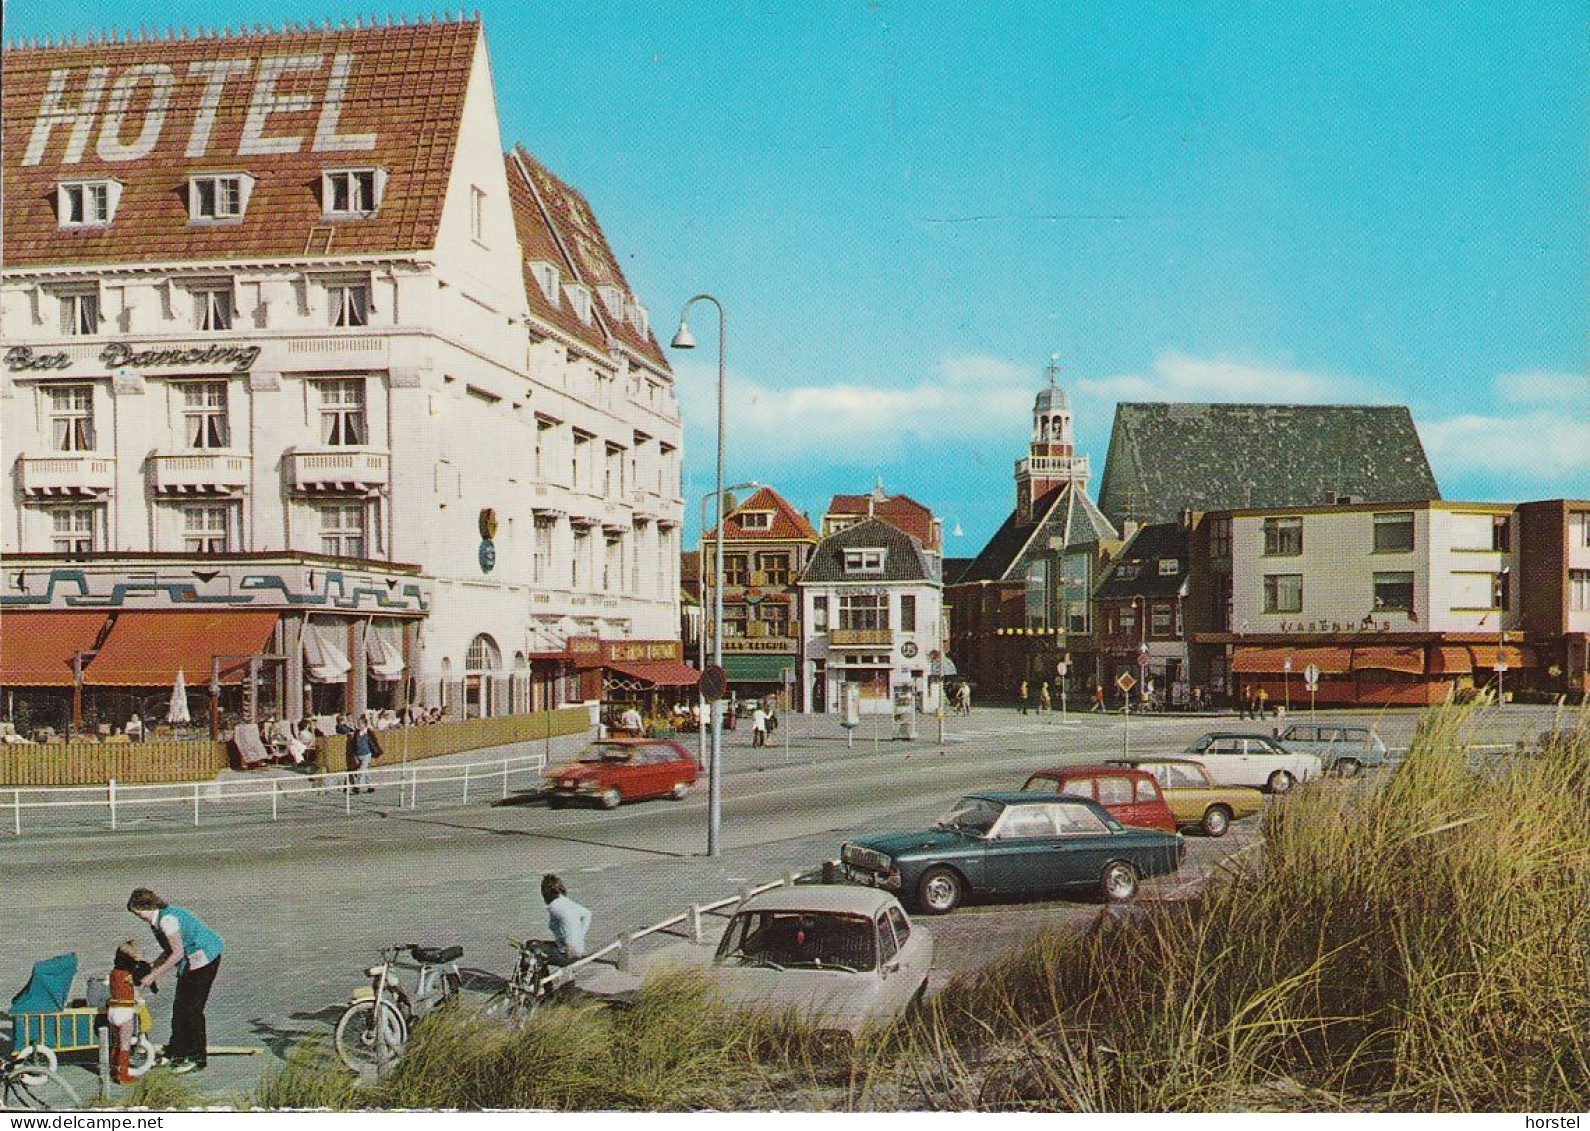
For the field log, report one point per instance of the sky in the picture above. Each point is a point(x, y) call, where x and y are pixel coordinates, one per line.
point(908, 208)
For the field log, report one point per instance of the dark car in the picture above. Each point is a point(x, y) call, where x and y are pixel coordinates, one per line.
point(1012, 844)
point(1128, 794)
point(610, 773)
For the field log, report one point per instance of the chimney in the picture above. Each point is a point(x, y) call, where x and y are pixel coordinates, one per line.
point(1128, 528)
point(1186, 518)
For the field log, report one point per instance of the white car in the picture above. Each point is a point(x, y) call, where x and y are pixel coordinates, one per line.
point(1253, 760)
point(841, 957)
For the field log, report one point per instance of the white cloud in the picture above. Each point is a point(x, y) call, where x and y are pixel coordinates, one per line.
point(1541, 386)
point(1537, 446)
point(859, 423)
point(1178, 377)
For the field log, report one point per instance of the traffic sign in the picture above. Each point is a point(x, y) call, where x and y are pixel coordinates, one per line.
point(1286, 664)
point(1311, 676)
point(1126, 682)
point(714, 683)
point(1142, 659)
point(1061, 668)
point(1499, 666)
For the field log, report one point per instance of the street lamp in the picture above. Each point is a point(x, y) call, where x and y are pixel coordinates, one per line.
point(684, 341)
point(701, 622)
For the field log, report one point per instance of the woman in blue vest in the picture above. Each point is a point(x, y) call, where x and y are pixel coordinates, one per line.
point(195, 951)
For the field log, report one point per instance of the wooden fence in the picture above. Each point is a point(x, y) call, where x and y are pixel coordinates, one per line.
point(95, 763)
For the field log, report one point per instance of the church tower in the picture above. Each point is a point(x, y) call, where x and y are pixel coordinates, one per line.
point(1051, 456)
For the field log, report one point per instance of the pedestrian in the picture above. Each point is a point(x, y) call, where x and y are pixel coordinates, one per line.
point(759, 726)
point(363, 747)
point(631, 722)
point(134, 729)
point(1023, 694)
point(1264, 704)
point(567, 920)
point(194, 950)
point(1149, 702)
point(1098, 698)
point(1044, 702)
point(121, 1010)
point(1197, 703)
point(964, 694)
point(772, 719)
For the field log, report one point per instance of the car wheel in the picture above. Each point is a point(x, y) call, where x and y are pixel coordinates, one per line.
point(680, 791)
point(1281, 782)
point(611, 797)
point(1217, 819)
point(1348, 767)
point(1119, 882)
point(941, 889)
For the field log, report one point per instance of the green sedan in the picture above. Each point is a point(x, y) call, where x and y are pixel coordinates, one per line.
point(1013, 844)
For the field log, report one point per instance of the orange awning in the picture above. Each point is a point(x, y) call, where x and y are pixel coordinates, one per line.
point(145, 649)
point(1271, 660)
point(1485, 655)
point(1408, 658)
point(36, 648)
point(1450, 659)
point(658, 673)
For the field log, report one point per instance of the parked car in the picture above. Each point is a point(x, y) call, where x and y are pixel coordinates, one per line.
point(1127, 794)
point(1195, 799)
point(1343, 750)
point(841, 956)
point(1255, 760)
point(1013, 844)
point(610, 773)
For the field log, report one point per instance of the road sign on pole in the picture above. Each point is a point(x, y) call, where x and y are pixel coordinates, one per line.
point(1311, 681)
point(714, 683)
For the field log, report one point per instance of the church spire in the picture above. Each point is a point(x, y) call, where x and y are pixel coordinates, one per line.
point(1051, 455)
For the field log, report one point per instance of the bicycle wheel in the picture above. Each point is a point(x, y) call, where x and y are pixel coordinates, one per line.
point(143, 1055)
point(367, 1042)
point(511, 1006)
point(35, 1090)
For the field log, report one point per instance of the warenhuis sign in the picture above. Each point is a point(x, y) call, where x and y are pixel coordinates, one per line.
point(123, 355)
point(127, 117)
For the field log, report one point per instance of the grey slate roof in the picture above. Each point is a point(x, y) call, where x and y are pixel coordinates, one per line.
point(1135, 570)
point(1058, 514)
point(905, 560)
point(954, 567)
point(1166, 457)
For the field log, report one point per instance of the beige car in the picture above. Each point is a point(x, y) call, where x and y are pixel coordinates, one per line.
point(1195, 799)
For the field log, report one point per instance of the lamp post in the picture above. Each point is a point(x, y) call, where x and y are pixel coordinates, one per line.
point(684, 341)
point(701, 623)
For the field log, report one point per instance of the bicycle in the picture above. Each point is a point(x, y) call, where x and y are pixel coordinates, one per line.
point(374, 1028)
point(29, 1082)
point(533, 982)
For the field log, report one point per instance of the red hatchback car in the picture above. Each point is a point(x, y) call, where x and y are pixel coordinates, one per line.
point(610, 773)
point(1131, 796)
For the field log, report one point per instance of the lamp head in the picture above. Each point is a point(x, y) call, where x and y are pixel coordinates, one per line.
point(683, 339)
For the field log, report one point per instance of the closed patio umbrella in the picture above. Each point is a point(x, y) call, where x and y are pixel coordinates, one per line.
point(177, 712)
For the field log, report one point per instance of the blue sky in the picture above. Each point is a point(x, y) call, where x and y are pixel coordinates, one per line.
point(908, 207)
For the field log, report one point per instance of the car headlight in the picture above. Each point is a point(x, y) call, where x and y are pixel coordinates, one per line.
point(588, 787)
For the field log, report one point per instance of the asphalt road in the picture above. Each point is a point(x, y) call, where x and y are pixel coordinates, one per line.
point(304, 904)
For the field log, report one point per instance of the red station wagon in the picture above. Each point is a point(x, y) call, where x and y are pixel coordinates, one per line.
point(610, 773)
point(1131, 796)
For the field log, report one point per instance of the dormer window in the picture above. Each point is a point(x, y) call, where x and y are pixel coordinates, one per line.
point(580, 300)
point(218, 198)
point(864, 561)
point(1169, 567)
point(613, 299)
point(86, 204)
point(639, 318)
point(547, 278)
point(351, 194)
point(756, 520)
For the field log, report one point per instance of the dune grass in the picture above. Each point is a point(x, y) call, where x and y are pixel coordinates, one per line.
point(1414, 940)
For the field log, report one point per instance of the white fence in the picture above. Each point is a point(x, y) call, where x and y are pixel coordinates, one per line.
point(112, 806)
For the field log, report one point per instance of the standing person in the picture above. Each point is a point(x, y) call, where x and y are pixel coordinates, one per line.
point(1098, 698)
point(121, 1011)
point(1023, 694)
point(1044, 701)
point(1263, 704)
point(964, 694)
point(631, 721)
point(135, 728)
point(567, 920)
point(194, 950)
point(772, 718)
point(1197, 703)
point(363, 746)
point(759, 726)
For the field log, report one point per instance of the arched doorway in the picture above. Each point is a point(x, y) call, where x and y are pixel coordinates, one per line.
point(481, 665)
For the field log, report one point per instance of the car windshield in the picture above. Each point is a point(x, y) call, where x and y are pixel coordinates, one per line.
point(973, 815)
point(806, 940)
point(607, 754)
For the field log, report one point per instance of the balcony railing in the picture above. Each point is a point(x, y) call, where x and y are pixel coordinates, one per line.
point(66, 474)
point(339, 469)
point(199, 472)
point(852, 637)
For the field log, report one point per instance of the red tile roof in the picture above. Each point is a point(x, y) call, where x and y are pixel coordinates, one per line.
point(402, 99)
point(788, 523)
point(900, 511)
point(584, 255)
point(538, 241)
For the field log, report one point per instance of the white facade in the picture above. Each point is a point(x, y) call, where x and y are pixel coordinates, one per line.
point(534, 480)
point(880, 660)
point(1323, 570)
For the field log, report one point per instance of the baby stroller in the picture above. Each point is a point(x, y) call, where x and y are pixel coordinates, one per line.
point(45, 1025)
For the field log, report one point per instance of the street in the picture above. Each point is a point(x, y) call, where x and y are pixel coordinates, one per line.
point(304, 904)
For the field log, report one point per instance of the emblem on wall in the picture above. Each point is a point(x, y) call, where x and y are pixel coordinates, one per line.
point(488, 548)
point(908, 649)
